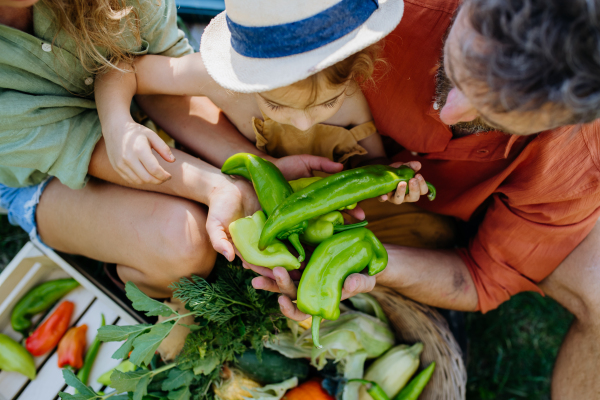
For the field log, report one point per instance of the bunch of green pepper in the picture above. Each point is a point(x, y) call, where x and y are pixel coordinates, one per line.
point(307, 210)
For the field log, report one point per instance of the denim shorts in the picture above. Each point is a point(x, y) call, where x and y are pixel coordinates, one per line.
point(21, 204)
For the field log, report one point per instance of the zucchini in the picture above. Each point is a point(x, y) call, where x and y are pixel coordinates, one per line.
point(273, 367)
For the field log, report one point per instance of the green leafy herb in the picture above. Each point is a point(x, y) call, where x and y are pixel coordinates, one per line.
point(232, 317)
point(143, 303)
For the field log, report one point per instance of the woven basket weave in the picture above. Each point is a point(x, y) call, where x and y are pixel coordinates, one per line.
point(414, 322)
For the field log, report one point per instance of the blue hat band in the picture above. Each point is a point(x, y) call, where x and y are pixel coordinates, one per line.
point(301, 36)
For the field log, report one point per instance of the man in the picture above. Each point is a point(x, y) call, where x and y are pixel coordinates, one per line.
point(507, 132)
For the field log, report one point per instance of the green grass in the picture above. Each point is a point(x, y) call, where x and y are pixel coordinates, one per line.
point(12, 238)
point(511, 351)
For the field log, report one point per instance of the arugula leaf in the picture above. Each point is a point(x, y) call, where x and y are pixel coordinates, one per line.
point(145, 345)
point(72, 380)
point(142, 302)
point(127, 381)
point(181, 394)
point(141, 389)
point(114, 333)
point(79, 396)
point(177, 378)
point(123, 351)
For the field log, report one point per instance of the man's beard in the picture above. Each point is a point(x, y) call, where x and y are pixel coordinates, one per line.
point(443, 86)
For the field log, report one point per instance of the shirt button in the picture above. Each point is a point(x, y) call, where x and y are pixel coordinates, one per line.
point(436, 106)
point(414, 153)
point(88, 81)
point(47, 47)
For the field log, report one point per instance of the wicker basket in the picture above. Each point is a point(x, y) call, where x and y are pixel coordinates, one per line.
point(414, 322)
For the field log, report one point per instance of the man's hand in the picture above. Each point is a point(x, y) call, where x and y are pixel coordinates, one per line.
point(129, 149)
point(230, 200)
point(416, 187)
point(280, 281)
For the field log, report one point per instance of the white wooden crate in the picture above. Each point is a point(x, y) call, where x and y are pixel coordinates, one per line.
point(30, 267)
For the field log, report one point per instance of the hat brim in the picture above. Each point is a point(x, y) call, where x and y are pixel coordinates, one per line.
point(251, 75)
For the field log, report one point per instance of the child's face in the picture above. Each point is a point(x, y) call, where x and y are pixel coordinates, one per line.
point(291, 105)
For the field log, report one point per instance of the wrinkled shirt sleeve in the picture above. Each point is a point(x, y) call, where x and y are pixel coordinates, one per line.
point(516, 246)
point(159, 29)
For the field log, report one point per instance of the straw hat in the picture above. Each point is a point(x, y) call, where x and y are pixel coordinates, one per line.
point(261, 45)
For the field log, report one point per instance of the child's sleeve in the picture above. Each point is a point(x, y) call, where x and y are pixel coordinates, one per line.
point(159, 31)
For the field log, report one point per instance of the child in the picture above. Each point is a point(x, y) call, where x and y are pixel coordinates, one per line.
point(286, 74)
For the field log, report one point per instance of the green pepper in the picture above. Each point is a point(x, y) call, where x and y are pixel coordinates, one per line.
point(124, 366)
point(320, 288)
point(245, 233)
point(90, 357)
point(324, 227)
point(413, 390)
point(332, 193)
point(14, 357)
point(301, 183)
point(37, 300)
point(271, 188)
point(374, 390)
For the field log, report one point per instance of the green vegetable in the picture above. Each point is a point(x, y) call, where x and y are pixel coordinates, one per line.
point(324, 227)
point(271, 188)
point(124, 366)
point(374, 390)
point(272, 367)
point(232, 318)
point(301, 183)
point(332, 193)
point(320, 288)
point(37, 300)
point(14, 357)
point(394, 369)
point(414, 389)
point(350, 340)
point(90, 357)
point(245, 233)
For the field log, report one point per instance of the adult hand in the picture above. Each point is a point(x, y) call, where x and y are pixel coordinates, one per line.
point(281, 281)
point(230, 200)
point(416, 187)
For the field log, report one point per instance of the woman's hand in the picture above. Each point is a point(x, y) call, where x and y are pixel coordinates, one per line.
point(281, 281)
point(129, 148)
point(229, 200)
point(417, 187)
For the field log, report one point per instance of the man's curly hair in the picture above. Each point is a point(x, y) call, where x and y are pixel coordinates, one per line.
point(537, 52)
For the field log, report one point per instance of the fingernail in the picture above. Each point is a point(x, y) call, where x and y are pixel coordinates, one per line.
point(226, 255)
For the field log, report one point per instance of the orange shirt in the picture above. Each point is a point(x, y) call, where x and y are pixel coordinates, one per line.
point(540, 194)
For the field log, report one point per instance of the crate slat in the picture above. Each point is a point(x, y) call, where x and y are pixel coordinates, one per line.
point(12, 382)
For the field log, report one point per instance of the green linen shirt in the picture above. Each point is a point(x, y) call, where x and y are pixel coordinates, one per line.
point(49, 125)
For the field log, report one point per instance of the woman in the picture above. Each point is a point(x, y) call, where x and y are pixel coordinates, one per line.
point(50, 53)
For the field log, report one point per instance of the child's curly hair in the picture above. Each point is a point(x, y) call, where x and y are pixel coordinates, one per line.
point(359, 67)
point(95, 25)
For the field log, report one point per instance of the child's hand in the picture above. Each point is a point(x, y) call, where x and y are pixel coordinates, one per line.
point(129, 150)
point(416, 187)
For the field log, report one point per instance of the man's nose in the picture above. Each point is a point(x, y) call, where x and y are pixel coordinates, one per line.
point(457, 109)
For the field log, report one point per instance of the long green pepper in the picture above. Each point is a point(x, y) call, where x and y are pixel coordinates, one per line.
point(271, 188)
point(37, 300)
point(332, 193)
point(320, 288)
point(323, 227)
point(412, 391)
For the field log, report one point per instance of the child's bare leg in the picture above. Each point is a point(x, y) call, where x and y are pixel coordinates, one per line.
point(155, 238)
